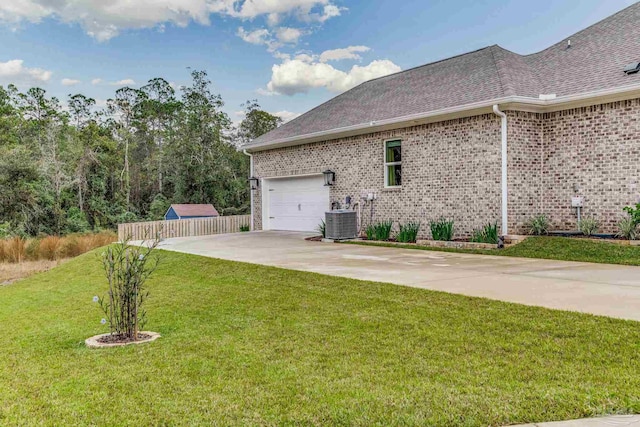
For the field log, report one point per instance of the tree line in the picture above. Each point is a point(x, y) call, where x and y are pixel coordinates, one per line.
point(72, 167)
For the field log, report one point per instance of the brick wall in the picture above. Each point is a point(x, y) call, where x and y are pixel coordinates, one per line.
point(452, 169)
point(449, 169)
point(524, 173)
point(592, 152)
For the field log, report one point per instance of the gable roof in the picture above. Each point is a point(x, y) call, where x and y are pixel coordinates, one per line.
point(184, 210)
point(594, 62)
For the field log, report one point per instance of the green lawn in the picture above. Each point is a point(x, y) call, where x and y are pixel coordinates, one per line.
point(565, 249)
point(251, 345)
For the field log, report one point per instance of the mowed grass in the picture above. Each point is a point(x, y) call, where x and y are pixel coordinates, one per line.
point(558, 248)
point(250, 345)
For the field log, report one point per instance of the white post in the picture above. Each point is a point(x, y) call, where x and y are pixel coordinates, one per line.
point(505, 219)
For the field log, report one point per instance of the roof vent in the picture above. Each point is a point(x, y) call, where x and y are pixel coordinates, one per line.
point(632, 68)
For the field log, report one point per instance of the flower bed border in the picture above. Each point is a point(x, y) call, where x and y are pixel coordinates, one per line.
point(94, 343)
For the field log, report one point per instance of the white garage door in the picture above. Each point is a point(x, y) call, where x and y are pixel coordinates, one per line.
point(296, 204)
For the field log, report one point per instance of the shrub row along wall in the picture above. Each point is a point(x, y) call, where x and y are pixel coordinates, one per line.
point(183, 227)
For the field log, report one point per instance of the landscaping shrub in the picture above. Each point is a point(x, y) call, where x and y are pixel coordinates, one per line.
point(379, 231)
point(370, 231)
point(383, 230)
point(634, 213)
point(627, 229)
point(538, 225)
point(245, 228)
point(322, 229)
point(408, 232)
point(442, 229)
point(588, 226)
point(127, 268)
point(487, 234)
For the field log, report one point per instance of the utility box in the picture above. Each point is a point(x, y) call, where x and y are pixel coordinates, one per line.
point(577, 202)
point(341, 224)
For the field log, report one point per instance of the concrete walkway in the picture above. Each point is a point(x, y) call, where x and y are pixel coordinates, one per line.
point(609, 290)
point(613, 421)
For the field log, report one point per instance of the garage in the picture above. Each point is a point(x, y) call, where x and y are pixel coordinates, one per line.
point(294, 204)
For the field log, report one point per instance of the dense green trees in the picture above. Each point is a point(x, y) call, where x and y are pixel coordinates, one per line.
point(76, 167)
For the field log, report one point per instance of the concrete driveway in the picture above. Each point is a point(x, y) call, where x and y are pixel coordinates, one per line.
point(603, 289)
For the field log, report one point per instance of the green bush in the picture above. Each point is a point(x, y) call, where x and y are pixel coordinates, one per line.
point(538, 225)
point(370, 231)
point(159, 206)
point(322, 229)
point(588, 226)
point(487, 234)
point(245, 228)
point(383, 230)
point(379, 231)
point(634, 213)
point(627, 229)
point(442, 229)
point(408, 232)
point(76, 221)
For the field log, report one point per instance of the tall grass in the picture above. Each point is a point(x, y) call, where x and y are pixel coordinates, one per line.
point(18, 249)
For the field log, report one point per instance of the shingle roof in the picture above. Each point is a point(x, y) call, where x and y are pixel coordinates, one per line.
point(183, 210)
point(594, 61)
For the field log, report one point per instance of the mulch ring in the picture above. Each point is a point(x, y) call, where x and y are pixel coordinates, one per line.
point(112, 340)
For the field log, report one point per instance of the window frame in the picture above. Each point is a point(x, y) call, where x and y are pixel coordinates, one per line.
point(387, 164)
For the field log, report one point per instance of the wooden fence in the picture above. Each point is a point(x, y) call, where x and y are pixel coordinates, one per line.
point(183, 227)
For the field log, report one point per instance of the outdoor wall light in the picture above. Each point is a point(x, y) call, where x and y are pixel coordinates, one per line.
point(329, 177)
point(254, 183)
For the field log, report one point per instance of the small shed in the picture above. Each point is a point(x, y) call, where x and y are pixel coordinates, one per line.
point(186, 211)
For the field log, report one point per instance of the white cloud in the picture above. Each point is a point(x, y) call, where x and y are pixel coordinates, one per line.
point(96, 81)
point(298, 76)
point(289, 35)
point(124, 82)
point(350, 52)
point(305, 57)
point(272, 40)
point(104, 20)
point(69, 82)
point(286, 116)
point(304, 10)
point(14, 71)
point(330, 11)
point(260, 36)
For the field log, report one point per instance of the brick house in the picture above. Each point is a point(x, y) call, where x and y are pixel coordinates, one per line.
point(487, 136)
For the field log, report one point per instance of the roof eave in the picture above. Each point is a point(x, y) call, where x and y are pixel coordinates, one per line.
point(519, 103)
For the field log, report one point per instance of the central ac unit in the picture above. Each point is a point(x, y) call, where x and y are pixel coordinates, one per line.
point(341, 224)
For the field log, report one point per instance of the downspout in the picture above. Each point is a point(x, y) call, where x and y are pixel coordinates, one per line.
point(250, 190)
point(503, 119)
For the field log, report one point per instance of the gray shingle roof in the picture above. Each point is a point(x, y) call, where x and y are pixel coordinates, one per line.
point(594, 61)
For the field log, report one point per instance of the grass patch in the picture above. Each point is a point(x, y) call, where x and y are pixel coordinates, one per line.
point(251, 345)
point(558, 248)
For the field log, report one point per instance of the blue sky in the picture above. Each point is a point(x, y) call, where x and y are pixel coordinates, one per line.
point(289, 54)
